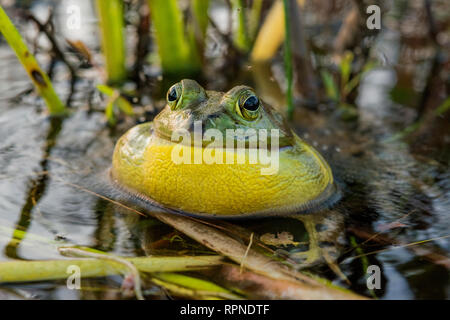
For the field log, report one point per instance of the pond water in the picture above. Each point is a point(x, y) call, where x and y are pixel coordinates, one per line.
point(48, 170)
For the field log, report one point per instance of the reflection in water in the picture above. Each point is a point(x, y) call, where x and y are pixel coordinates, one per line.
point(76, 20)
point(383, 183)
point(37, 188)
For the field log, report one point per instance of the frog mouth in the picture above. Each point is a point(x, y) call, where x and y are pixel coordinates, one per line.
point(198, 135)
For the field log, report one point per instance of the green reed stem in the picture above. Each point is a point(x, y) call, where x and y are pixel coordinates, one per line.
point(240, 35)
point(111, 17)
point(176, 51)
point(255, 15)
point(192, 287)
point(40, 78)
point(288, 58)
point(200, 12)
point(25, 271)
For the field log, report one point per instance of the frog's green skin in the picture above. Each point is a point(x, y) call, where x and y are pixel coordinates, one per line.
point(217, 110)
point(143, 162)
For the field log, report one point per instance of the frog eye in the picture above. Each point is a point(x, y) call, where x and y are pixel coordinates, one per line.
point(248, 106)
point(174, 95)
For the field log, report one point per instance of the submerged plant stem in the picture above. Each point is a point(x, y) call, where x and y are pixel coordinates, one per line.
point(39, 77)
point(192, 287)
point(127, 264)
point(25, 271)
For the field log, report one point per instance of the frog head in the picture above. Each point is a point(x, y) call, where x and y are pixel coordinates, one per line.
point(240, 108)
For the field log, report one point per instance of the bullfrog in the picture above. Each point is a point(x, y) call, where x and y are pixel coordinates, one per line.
point(205, 154)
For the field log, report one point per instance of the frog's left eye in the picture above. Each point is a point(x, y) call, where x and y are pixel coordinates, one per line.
point(174, 95)
point(248, 106)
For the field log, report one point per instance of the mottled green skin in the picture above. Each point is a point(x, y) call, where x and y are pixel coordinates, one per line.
point(217, 110)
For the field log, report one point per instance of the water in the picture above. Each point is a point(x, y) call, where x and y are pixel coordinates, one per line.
point(46, 164)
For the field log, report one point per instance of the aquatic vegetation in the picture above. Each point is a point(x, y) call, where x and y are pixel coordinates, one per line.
point(340, 87)
point(384, 134)
point(37, 75)
point(115, 100)
point(240, 29)
point(189, 286)
point(25, 271)
point(111, 23)
point(176, 46)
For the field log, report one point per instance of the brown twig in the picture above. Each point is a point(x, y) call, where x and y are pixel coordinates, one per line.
point(48, 30)
point(225, 37)
point(257, 286)
point(353, 29)
point(432, 30)
point(305, 78)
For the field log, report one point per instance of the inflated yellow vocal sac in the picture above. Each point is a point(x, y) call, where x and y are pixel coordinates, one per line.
point(144, 165)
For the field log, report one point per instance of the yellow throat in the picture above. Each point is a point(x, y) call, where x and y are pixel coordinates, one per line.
point(143, 165)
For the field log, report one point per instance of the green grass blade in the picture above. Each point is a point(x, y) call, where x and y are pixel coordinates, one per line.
point(330, 86)
point(190, 282)
point(346, 68)
point(354, 82)
point(40, 78)
point(404, 133)
point(197, 26)
point(240, 32)
point(443, 108)
point(200, 13)
point(191, 287)
point(255, 15)
point(364, 260)
point(176, 50)
point(115, 99)
point(111, 17)
point(183, 284)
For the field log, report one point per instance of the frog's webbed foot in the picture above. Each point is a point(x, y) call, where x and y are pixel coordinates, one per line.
point(325, 231)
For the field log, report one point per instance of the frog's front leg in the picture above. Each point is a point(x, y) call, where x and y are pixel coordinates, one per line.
point(325, 232)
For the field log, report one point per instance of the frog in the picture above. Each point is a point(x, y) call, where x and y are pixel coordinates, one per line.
point(194, 121)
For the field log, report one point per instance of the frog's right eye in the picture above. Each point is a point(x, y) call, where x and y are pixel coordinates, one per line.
point(174, 95)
